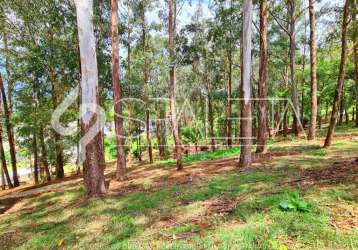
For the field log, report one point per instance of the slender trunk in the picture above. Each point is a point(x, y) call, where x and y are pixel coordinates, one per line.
point(57, 137)
point(341, 109)
point(94, 161)
point(36, 162)
point(3, 183)
point(129, 75)
point(246, 116)
point(117, 96)
point(160, 133)
point(229, 103)
point(139, 146)
point(303, 75)
point(263, 135)
point(313, 49)
point(340, 83)
point(211, 120)
point(44, 155)
point(3, 158)
point(172, 53)
point(294, 92)
point(10, 134)
point(355, 48)
point(146, 79)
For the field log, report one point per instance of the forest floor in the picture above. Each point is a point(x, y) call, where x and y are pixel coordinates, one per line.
point(299, 196)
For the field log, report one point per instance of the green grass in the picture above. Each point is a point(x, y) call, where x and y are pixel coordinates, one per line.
point(206, 156)
point(164, 219)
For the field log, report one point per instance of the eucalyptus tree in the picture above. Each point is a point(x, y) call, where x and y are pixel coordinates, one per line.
point(313, 49)
point(172, 86)
point(143, 8)
point(117, 94)
point(341, 76)
point(262, 135)
point(4, 169)
point(94, 156)
point(246, 112)
point(354, 11)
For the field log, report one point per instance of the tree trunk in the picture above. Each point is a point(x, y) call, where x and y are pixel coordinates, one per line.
point(44, 155)
point(263, 135)
point(3, 158)
point(3, 183)
point(229, 103)
point(211, 120)
point(36, 162)
point(246, 116)
point(303, 75)
point(94, 161)
point(117, 96)
point(10, 134)
point(146, 79)
point(129, 75)
point(172, 54)
point(313, 49)
point(355, 48)
point(57, 137)
point(340, 83)
point(160, 132)
point(294, 92)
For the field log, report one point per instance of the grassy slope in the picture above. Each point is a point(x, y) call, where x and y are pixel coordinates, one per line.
point(177, 217)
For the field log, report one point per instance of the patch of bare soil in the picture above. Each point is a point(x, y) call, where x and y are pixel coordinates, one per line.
point(339, 172)
point(7, 204)
point(12, 239)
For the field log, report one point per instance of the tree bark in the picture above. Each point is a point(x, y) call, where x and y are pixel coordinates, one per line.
point(211, 120)
point(44, 155)
point(36, 162)
point(57, 137)
point(146, 79)
point(2, 155)
point(313, 52)
point(160, 132)
point(229, 102)
point(94, 161)
point(355, 48)
point(246, 116)
point(117, 96)
point(172, 54)
point(263, 135)
point(10, 134)
point(129, 75)
point(340, 83)
point(294, 92)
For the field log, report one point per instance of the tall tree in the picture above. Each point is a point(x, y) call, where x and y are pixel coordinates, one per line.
point(117, 94)
point(262, 136)
point(355, 49)
point(2, 155)
point(10, 134)
point(172, 88)
point(94, 159)
point(294, 91)
point(60, 173)
point(246, 115)
point(340, 83)
point(146, 77)
point(313, 51)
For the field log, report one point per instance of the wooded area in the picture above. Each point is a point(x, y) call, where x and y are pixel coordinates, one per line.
point(207, 121)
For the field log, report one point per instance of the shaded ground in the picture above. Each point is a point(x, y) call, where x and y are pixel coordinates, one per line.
point(210, 205)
